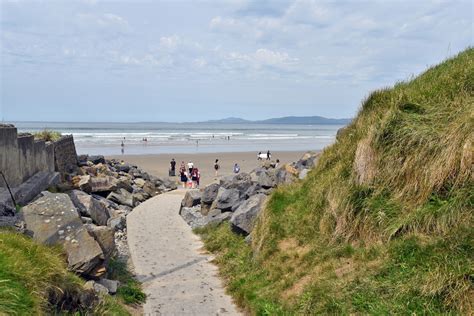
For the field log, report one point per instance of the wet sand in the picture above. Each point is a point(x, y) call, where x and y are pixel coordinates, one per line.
point(158, 165)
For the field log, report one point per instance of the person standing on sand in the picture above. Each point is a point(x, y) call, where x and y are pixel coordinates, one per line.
point(236, 168)
point(183, 177)
point(195, 177)
point(190, 166)
point(216, 167)
point(172, 167)
point(269, 155)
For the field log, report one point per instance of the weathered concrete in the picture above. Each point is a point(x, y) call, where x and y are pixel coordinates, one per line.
point(21, 156)
point(177, 276)
point(9, 160)
point(65, 155)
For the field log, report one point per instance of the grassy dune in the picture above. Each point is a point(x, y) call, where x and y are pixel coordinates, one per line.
point(384, 223)
point(34, 281)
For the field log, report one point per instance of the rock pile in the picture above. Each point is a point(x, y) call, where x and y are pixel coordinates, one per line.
point(88, 217)
point(240, 198)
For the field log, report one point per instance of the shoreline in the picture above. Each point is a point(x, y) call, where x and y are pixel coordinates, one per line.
point(158, 164)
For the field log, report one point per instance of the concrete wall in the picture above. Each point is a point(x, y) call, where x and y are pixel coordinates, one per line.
point(9, 162)
point(65, 155)
point(21, 156)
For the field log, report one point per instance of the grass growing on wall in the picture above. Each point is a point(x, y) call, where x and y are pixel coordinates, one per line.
point(47, 135)
point(383, 224)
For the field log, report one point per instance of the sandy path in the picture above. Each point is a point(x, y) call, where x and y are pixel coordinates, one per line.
point(177, 277)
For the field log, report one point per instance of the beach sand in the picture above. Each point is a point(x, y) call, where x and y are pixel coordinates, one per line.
point(158, 165)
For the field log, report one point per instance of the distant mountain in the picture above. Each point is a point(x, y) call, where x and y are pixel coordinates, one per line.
point(303, 120)
point(230, 120)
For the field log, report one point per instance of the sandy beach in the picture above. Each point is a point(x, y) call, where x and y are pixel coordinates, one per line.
point(158, 165)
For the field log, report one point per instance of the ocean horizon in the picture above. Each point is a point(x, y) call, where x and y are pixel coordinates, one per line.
point(163, 138)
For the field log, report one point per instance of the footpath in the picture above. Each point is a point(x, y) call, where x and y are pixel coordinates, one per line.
point(177, 276)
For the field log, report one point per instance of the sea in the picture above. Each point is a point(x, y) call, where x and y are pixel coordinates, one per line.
point(161, 138)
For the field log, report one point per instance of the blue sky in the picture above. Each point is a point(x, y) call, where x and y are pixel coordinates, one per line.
point(195, 60)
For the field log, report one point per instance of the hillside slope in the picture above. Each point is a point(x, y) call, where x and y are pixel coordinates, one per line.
point(384, 223)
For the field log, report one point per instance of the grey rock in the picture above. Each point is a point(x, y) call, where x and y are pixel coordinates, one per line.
point(307, 161)
point(111, 285)
point(139, 182)
point(97, 159)
point(266, 179)
point(191, 198)
point(105, 238)
point(210, 193)
point(193, 217)
point(303, 173)
point(52, 214)
point(117, 222)
point(125, 183)
point(88, 206)
point(243, 218)
point(122, 196)
point(107, 203)
point(226, 198)
point(103, 184)
point(96, 287)
point(241, 182)
point(86, 220)
point(284, 177)
point(122, 167)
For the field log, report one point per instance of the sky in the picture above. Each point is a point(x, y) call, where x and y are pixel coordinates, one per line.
point(132, 61)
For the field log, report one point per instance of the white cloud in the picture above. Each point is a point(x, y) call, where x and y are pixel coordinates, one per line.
point(169, 42)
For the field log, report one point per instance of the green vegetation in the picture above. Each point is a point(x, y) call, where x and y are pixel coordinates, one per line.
point(47, 135)
point(130, 290)
point(34, 280)
point(383, 224)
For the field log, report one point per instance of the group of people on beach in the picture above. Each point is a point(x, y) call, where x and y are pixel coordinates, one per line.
point(189, 174)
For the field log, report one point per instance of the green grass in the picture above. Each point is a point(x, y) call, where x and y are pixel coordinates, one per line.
point(130, 290)
point(34, 280)
point(383, 224)
point(47, 135)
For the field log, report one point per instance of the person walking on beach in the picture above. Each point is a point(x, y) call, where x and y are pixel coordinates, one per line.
point(195, 177)
point(172, 168)
point(236, 168)
point(269, 155)
point(216, 167)
point(183, 176)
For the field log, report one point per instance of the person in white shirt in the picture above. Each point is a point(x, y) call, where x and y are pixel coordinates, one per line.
point(190, 167)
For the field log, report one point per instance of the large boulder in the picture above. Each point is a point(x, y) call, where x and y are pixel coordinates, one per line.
point(265, 178)
point(103, 184)
point(164, 184)
point(194, 218)
point(243, 219)
point(105, 237)
point(241, 182)
point(284, 177)
point(96, 184)
point(122, 196)
point(96, 159)
point(307, 161)
point(210, 193)
point(53, 219)
point(191, 198)
point(89, 206)
point(226, 198)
